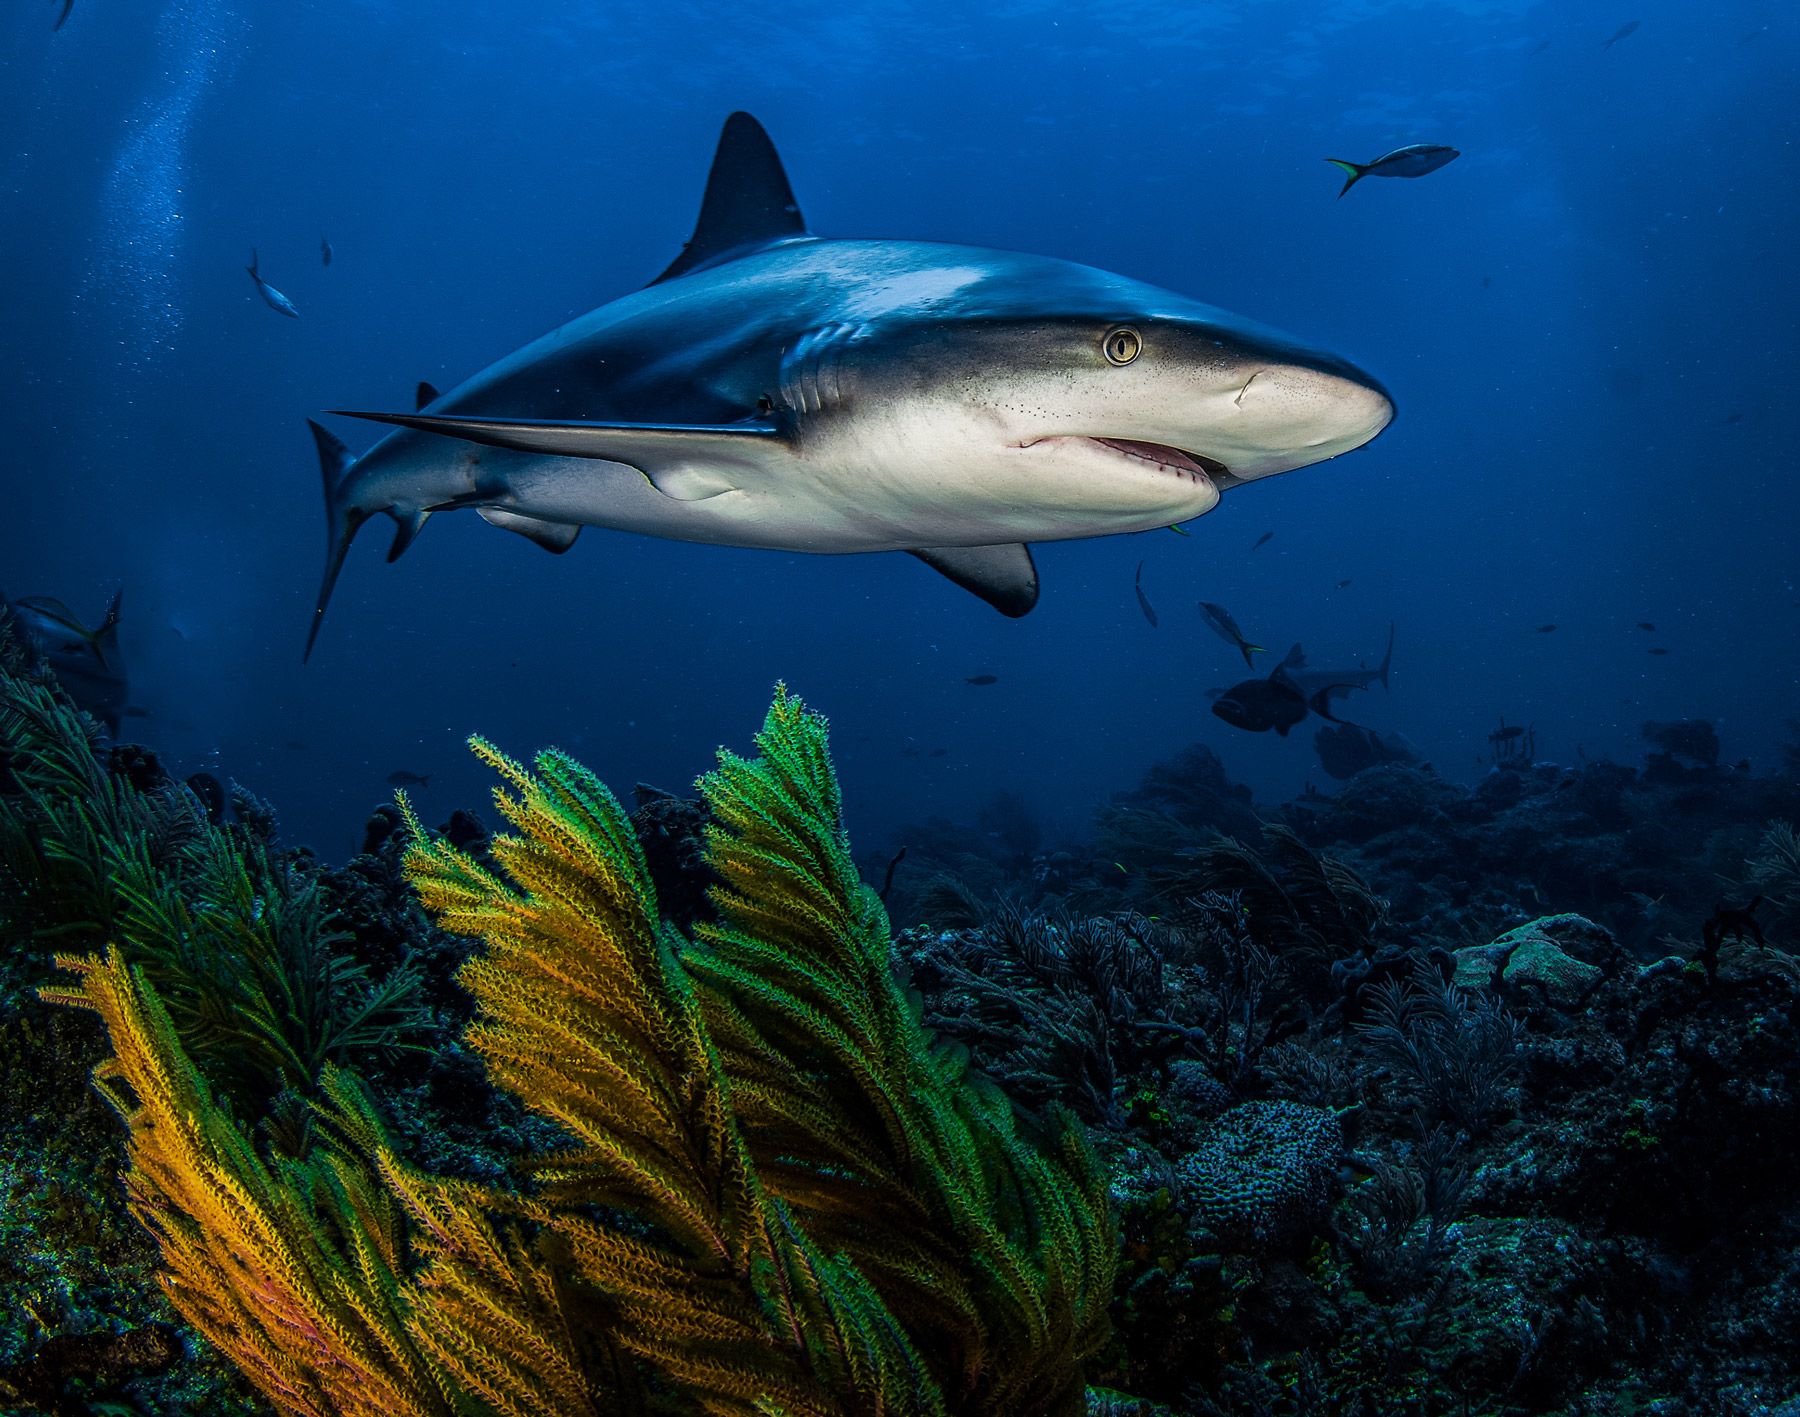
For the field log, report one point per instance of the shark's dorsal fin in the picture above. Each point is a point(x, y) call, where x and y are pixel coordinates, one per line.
point(424, 394)
point(748, 201)
point(1004, 576)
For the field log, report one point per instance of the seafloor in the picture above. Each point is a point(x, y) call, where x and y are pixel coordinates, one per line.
point(1416, 1098)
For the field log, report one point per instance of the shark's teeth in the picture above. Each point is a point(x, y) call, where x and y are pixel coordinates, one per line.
point(1156, 453)
point(1160, 456)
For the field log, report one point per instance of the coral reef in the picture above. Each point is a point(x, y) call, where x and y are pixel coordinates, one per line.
point(1418, 1099)
point(774, 1193)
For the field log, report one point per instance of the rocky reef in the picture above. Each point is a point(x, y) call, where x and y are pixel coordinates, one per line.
point(1417, 1098)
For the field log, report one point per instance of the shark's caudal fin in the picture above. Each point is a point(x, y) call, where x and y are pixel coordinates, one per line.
point(253, 264)
point(748, 201)
point(1356, 170)
point(105, 640)
point(341, 520)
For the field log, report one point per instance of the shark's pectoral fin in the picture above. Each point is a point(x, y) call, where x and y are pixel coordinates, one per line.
point(1004, 576)
point(554, 537)
point(654, 448)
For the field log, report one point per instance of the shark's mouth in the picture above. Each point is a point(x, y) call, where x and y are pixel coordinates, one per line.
point(1196, 468)
point(1193, 466)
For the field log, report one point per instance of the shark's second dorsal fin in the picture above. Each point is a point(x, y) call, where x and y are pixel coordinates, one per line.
point(748, 202)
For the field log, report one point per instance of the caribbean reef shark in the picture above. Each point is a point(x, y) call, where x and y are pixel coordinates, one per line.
point(86, 662)
point(776, 389)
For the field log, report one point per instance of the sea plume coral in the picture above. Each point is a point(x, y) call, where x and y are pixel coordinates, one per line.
point(778, 1196)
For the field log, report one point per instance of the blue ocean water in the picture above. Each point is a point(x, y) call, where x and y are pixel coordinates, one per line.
point(1586, 321)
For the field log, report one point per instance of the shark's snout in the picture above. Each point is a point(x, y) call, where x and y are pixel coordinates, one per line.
point(1289, 415)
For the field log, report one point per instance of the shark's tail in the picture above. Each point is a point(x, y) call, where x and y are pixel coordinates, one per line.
point(1356, 170)
point(254, 263)
point(342, 520)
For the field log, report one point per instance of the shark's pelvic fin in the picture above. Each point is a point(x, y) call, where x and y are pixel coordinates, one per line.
point(1004, 576)
point(748, 201)
point(425, 393)
point(554, 537)
point(641, 445)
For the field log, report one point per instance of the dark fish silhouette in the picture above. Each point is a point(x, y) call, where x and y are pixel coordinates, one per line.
point(1292, 690)
point(1657, 650)
point(324, 252)
point(272, 297)
point(940, 752)
point(1414, 161)
point(403, 778)
point(1343, 584)
point(1143, 600)
point(211, 794)
point(87, 663)
point(982, 680)
point(1630, 27)
point(1545, 629)
point(1219, 620)
point(1646, 626)
point(1539, 48)
point(1262, 540)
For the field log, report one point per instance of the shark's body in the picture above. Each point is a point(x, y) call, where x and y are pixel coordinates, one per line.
point(774, 389)
point(87, 663)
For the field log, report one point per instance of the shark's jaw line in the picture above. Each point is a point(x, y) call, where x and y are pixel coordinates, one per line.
point(1195, 467)
point(777, 389)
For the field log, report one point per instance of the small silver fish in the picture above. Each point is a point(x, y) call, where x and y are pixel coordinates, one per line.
point(1143, 600)
point(1218, 618)
point(272, 297)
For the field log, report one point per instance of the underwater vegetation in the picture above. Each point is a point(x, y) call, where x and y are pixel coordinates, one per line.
point(772, 1191)
point(1395, 1102)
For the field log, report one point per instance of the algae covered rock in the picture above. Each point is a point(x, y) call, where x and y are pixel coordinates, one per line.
point(1542, 968)
point(1555, 959)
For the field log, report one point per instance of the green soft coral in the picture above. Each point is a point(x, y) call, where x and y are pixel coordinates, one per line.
point(779, 1198)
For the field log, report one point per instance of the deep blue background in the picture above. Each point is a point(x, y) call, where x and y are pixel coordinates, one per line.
point(1588, 322)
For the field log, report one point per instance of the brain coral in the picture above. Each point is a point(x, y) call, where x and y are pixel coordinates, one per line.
point(1265, 1175)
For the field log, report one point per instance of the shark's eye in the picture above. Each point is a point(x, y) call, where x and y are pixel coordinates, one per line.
point(1122, 345)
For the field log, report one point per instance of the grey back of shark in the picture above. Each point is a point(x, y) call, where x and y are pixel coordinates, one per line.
point(87, 663)
point(1292, 690)
point(780, 390)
